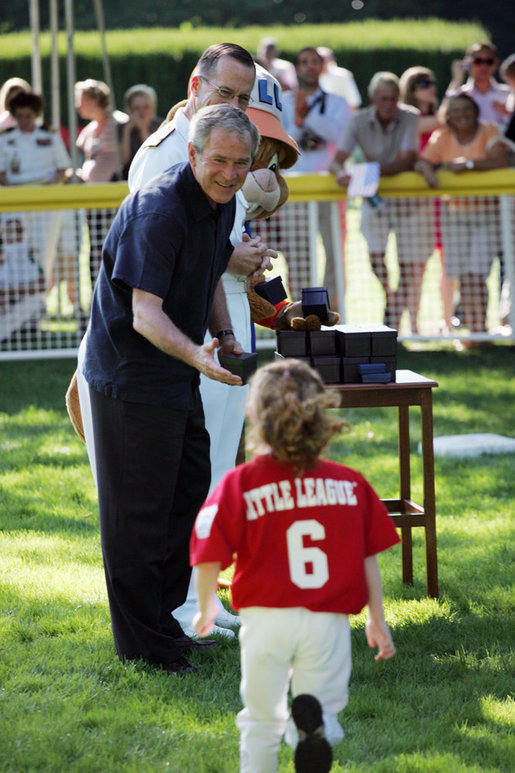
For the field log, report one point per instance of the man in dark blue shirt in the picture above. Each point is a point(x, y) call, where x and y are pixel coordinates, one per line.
point(158, 286)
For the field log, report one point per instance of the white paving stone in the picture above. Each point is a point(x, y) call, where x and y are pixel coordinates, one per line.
point(472, 445)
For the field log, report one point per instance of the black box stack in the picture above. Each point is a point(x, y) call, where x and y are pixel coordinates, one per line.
point(337, 352)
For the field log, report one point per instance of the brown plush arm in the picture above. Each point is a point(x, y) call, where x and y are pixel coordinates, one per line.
point(290, 317)
point(73, 407)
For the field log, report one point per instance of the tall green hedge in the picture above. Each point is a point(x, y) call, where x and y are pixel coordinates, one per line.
point(164, 58)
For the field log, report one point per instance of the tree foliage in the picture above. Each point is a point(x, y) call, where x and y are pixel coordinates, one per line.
point(126, 14)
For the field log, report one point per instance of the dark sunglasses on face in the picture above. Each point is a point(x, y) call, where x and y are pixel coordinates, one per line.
point(425, 84)
point(487, 60)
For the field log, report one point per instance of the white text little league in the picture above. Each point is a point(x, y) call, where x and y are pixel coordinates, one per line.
point(309, 492)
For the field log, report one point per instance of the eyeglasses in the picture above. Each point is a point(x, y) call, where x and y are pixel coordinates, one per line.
point(425, 84)
point(489, 60)
point(244, 100)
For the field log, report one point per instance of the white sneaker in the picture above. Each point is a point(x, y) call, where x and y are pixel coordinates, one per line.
point(216, 630)
point(225, 620)
point(227, 632)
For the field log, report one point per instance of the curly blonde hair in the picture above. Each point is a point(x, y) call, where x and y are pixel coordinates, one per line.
point(287, 408)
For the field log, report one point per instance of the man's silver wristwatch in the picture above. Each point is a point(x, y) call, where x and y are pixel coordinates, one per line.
point(469, 164)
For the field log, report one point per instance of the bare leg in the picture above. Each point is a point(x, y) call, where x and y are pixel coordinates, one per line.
point(392, 314)
point(474, 298)
point(448, 287)
point(410, 289)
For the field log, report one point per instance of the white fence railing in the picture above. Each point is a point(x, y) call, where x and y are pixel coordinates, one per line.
point(447, 269)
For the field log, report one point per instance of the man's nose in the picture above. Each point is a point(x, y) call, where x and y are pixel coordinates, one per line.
point(229, 171)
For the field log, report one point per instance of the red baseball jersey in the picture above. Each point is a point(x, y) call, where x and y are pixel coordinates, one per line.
point(297, 541)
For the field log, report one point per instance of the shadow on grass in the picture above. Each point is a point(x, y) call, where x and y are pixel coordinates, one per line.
point(41, 383)
point(40, 444)
point(433, 692)
point(71, 515)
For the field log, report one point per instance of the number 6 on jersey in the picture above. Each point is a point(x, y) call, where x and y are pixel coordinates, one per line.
point(301, 559)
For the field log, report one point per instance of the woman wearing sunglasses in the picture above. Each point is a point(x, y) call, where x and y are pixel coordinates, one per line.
point(418, 88)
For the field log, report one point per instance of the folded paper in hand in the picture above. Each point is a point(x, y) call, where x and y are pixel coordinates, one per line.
point(364, 179)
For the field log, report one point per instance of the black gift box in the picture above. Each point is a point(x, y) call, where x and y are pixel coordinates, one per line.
point(383, 341)
point(272, 290)
point(353, 340)
point(350, 372)
point(292, 343)
point(242, 365)
point(315, 300)
point(323, 342)
point(329, 369)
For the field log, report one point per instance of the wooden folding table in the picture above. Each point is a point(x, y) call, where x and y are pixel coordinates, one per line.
point(409, 389)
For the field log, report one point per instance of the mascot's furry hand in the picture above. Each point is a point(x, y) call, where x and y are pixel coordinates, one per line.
point(290, 317)
point(285, 315)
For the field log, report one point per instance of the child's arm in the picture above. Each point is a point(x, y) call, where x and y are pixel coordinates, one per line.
point(376, 630)
point(206, 579)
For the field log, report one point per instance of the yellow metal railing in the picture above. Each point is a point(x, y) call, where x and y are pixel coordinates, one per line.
point(320, 187)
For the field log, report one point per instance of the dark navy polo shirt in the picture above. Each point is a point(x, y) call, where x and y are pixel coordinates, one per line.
point(166, 239)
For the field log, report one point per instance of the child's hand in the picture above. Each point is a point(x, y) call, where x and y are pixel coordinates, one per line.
point(378, 635)
point(203, 624)
point(204, 621)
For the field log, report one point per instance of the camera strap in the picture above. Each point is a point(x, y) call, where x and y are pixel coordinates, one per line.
point(320, 100)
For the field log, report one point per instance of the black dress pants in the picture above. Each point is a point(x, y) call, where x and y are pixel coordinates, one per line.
point(153, 476)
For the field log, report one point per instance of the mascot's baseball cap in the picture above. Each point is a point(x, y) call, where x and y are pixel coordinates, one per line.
point(265, 112)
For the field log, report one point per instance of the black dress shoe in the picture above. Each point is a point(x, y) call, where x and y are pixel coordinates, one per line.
point(179, 667)
point(187, 643)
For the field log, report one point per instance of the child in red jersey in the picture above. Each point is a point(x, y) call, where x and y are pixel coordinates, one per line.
point(305, 531)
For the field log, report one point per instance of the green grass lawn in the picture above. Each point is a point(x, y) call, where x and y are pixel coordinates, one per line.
point(443, 704)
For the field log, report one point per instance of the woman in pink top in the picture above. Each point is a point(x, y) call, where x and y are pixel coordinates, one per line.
point(470, 233)
point(99, 142)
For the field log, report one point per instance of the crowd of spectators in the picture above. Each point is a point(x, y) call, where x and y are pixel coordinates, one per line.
point(403, 128)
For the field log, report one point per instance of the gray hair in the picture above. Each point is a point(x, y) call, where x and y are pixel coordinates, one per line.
point(225, 117)
point(382, 79)
point(140, 89)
